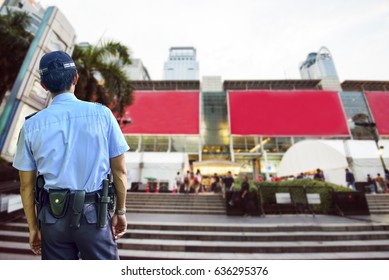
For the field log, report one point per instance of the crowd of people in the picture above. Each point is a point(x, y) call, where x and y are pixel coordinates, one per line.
point(197, 183)
point(379, 184)
point(194, 183)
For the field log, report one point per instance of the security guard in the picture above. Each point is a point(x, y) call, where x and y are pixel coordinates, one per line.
point(73, 145)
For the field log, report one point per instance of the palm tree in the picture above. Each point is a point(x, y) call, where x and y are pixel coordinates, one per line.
point(102, 78)
point(15, 41)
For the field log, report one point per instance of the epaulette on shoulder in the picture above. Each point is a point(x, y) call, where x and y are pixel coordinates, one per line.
point(30, 116)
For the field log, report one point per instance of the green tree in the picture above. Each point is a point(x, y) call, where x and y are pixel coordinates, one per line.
point(15, 41)
point(102, 78)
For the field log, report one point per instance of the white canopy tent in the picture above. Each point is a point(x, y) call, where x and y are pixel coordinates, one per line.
point(308, 155)
point(333, 156)
point(162, 166)
point(364, 158)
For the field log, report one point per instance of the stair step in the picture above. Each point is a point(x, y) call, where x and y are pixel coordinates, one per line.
point(168, 203)
point(249, 228)
point(256, 236)
point(178, 207)
point(6, 235)
point(175, 202)
point(254, 247)
point(379, 211)
point(16, 256)
point(16, 247)
point(158, 255)
point(16, 227)
point(178, 211)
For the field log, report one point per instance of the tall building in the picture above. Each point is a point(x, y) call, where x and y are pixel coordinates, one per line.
point(320, 66)
point(181, 64)
point(27, 95)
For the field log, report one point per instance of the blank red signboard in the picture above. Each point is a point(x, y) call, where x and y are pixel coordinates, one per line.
point(164, 112)
point(379, 106)
point(287, 113)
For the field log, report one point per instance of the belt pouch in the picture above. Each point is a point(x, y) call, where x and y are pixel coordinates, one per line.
point(78, 206)
point(59, 200)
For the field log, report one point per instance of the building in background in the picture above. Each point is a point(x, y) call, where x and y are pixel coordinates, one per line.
point(137, 71)
point(252, 123)
point(27, 95)
point(255, 122)
point(34, 9)
point(320, 65)
point(181, 64)
point(212, 83)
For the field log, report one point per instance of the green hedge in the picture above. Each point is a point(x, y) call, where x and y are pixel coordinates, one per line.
point(296, 189)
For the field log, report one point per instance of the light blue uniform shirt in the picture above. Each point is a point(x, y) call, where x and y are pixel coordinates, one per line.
point(70, 144)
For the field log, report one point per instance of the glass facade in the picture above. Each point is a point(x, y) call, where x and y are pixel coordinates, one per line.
point(133, 142)
point(214, 124)
point(355, 107)
point(278, 144)
point(187, 144)
point(155, 144)
point(163, 143)
point(259, 155)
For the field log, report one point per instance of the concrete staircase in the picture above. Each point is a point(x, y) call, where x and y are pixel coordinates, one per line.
point(158, 230)
point(178, 240)
point(378, 203)
point(173, 241)
point(175, 203)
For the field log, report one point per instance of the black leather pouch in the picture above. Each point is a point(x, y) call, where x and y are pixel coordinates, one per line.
point(59, 200)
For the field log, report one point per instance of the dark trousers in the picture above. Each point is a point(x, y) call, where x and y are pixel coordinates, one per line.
point(88, 242)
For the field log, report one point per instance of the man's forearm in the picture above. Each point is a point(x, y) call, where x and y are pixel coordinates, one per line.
point(27, 181)
point(119, 173)
point(120, 182)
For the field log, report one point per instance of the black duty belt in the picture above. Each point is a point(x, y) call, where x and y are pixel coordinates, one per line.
point(90, 197)
point(62, 200)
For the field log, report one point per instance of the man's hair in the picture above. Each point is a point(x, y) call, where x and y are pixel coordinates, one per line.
point(58, 81)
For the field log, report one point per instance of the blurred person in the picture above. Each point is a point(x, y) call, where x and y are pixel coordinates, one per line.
point(228, 182)
point(178, 180)
point(244, 195)
point(371, 184)
point(350, 179)
point(381, 185)
point(319, 175)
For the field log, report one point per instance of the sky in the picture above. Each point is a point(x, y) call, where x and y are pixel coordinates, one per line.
point(242, 39)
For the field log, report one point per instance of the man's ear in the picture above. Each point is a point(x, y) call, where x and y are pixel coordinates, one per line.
point(44, 86)
point(75, 80)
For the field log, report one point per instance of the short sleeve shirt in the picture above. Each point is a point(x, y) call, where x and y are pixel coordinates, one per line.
point(70, 144)
point(228, 181)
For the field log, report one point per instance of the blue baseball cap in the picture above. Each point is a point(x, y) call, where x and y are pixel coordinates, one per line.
point(55, 61)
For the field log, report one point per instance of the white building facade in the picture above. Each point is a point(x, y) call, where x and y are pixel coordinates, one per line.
point(181, 64)
point(320, 66)
point(137, 71)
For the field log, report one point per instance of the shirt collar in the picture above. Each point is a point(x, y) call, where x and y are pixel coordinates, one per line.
point(67, 96)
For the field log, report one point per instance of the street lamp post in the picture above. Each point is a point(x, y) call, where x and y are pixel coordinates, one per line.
point(380, 153)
